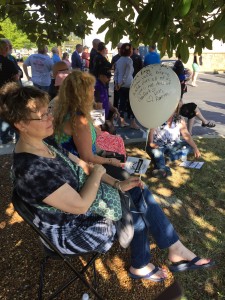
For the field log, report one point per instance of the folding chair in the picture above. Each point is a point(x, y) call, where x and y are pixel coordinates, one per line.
point(25, 211)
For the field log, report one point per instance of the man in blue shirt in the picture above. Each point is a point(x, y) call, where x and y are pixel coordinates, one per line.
point(55, 55)
point(152, 57)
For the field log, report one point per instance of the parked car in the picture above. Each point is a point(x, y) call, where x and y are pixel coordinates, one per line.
point(170, 63)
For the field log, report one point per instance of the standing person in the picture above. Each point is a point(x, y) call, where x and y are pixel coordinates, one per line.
point(55, 55)
point(8, 72)
point(113, 64)
point(137, 61)
point(123, 78)
point(100, 60)
point(86, 58)
point(102, 100)
point(152, 57)
point(93, 53)
point(41, 68)
point(76, 58)
point(195, 67)
point(12, 58)
point(65, 58)
point(179, 70)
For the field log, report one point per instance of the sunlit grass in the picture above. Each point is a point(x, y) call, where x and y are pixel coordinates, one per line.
point(198, 215)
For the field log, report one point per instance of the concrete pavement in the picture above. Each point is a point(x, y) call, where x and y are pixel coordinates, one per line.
point(208, 95)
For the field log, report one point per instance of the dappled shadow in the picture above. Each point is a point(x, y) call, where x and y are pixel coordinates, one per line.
point(202, 197)
point(21, 252)
point(197, 213)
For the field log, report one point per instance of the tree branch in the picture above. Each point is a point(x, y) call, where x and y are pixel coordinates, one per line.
point(18, 3)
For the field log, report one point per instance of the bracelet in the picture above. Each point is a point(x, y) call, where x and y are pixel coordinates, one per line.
point(119, 188)
point(115, 185)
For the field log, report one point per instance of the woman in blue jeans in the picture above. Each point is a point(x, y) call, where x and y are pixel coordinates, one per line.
point(165, 140)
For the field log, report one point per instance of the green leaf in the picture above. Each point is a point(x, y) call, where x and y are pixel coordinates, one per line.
point(183, 51)
point(208, 43)
point(104, 26)
point(185, 6)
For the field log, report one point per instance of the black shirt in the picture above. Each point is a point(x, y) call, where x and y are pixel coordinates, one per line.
point(137, 63)
point(7, 70)
point(93, 53)
point(114, 60)
point(100, 62)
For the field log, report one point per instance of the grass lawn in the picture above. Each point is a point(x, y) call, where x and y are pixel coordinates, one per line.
point(194, 200)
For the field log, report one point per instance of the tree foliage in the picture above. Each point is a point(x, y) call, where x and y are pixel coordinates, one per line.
point(18, 38)
point(173, 24)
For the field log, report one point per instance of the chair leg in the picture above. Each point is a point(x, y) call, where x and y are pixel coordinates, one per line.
point(80, 276)
point(41, 278)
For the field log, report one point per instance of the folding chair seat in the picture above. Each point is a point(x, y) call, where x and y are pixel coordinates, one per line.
point(25, 211)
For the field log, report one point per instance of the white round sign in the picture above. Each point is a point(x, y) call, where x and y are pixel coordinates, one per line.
point(154, 95)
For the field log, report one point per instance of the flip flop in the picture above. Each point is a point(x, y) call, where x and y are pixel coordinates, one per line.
point(148, 276)
point(185, 265)
point(209, 124)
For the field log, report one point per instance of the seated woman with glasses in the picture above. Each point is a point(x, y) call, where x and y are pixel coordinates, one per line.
point(43, 177)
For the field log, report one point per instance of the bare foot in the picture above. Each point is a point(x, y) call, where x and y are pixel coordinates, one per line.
point(162, 273)
point(178, 252)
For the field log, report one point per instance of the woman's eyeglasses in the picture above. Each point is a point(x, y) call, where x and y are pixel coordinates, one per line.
point(43, 117)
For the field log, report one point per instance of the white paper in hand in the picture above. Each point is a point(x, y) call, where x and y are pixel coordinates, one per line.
point(98, 116)
point(136, 165)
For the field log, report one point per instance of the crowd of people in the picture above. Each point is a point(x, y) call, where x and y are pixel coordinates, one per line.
point(58, 170)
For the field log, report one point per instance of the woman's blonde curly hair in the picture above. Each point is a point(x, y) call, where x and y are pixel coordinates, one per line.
point(74, 99)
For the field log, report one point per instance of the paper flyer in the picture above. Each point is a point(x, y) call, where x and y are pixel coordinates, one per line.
point(136, 165)
point(98, 116)
point(192, 164)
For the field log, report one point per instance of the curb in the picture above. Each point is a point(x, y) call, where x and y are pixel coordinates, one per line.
point(206, 136)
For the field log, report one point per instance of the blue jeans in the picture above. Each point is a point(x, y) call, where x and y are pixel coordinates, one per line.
point(174, 152)
point(148, 217)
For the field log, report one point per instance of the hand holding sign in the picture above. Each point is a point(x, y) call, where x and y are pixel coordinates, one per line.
point(154, 95)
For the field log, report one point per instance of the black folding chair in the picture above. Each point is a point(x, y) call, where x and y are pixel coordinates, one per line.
point(25, 211)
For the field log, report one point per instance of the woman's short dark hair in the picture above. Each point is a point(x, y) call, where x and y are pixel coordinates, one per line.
point(65, 54)
point(126, 49)
point(15, 100)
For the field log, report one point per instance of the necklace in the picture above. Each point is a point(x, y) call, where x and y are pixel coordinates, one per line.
point(46, 150)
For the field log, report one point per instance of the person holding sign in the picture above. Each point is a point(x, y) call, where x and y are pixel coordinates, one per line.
point(165, 140)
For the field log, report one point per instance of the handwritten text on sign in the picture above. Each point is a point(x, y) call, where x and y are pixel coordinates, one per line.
point(150, 88)
point(154, 95)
